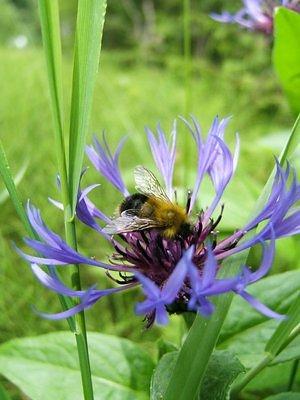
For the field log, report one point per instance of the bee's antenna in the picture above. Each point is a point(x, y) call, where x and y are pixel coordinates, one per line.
point(188, 201)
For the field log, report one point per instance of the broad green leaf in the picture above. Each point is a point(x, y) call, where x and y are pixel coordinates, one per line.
point(276, 291)
point(282, 334)
point(286, 54)
point(195, 353)
point(46, 367)
point(164, 346)
point(162, 375)
point(90, 21)
point(249, 345)
point(276, 376)
point(222, 370)
point(284, 396)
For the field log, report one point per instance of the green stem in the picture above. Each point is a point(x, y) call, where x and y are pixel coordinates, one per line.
point(264, 363)
point(250, 375)
point(187, 53)
point(49, 14)
point(293, 375)
point(80, 332)
point(188, 144)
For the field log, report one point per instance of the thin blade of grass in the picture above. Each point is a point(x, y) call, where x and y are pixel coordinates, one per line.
point(90, 21)
point(7, 177)
point(17, 179)
point(49, 17)
point(195, 353)
point(8, 180)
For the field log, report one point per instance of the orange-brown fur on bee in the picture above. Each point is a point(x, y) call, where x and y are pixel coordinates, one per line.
point(169, 216)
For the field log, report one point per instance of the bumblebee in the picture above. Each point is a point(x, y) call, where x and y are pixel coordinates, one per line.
point(150, 208)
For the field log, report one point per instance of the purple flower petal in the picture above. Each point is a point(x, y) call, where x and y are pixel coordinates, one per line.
point(263, 309)
point(164, 155)
point(107, 163)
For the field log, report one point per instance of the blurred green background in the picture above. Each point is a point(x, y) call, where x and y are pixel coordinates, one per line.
point(142, 81)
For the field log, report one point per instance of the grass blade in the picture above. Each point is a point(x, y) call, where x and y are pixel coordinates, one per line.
point(17, 179)
point(7, 177)
point(90, 21)
point(49, 17)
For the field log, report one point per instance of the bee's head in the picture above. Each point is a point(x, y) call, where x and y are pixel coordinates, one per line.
point(185, 229)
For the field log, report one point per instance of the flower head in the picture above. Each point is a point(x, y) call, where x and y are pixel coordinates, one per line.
point(172, 252)
point(257, 15)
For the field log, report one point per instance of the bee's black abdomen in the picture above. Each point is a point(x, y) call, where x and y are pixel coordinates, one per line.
point(133, 203)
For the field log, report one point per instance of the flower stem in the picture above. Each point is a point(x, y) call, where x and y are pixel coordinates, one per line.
point(49, 16)
point(264, 363)
point(80, 333)
point(186, 26)
point(187, 53)
point(250, 375)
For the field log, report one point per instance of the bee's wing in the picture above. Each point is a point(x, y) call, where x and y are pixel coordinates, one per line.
point(127, 222)
point(147, 184)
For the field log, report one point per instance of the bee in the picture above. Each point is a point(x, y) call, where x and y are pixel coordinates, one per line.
point(150, 208)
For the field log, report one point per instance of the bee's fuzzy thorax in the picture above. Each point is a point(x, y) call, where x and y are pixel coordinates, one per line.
point(169, 215)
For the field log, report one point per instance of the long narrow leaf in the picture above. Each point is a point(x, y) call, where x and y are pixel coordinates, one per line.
point(17, 179)
point(49, 17)
point(7, 177)
point(284, 329)
point(196, 351)
point(193, 358)
point(90, 21)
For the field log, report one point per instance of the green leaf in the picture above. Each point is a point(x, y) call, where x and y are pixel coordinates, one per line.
point(3, 394)
point(7, 177)
point(284, 396)
point(286, 54)
point(200, 342)
point(276, 291)
point(247, 335)
point(90, 21)
point(162, 375)
point(17, 179)
point(46, 367)
point(284, 331)
point(222, 370)
point(249, 345)
point(194, 355)
point(164, 346)
point(278, 374)
point(49, 18)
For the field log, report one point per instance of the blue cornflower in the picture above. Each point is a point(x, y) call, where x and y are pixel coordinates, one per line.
point(177, 272)
point(257, 15)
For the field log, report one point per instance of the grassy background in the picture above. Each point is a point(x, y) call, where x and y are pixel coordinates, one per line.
point(135, 87)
